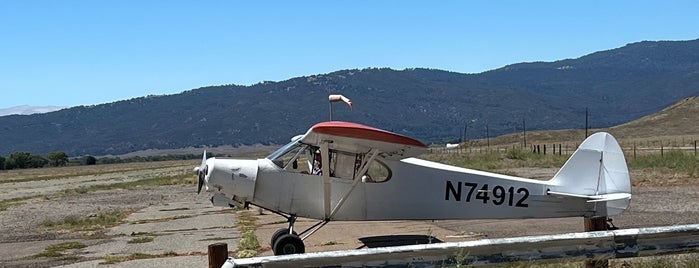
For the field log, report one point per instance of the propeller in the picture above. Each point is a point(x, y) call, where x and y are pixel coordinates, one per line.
point(201, 172)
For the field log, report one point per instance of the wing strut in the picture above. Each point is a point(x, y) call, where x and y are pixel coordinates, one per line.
point(325, 161)
point(358, 177)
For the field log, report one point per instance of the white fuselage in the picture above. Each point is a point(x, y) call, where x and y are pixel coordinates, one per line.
point(417, 190)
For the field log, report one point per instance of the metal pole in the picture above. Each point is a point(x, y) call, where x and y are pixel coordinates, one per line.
point(586, 121)
point(487, 135)
point(524, 128)
point(463, 138)
point(331, 111)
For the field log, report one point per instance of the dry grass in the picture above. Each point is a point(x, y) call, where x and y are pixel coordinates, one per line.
point(671, 168)
point(136, 256)
point(676, 123)
point(95, 222)
point(249, 245)
point(33, 174)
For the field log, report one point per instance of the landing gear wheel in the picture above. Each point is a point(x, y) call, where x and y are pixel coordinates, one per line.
point(278, 234)
point(289, 244)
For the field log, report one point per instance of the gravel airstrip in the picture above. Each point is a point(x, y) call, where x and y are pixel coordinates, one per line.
point(182, 223)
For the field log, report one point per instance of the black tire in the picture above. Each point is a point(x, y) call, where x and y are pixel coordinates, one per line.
point(289, 244)
point(278, 234)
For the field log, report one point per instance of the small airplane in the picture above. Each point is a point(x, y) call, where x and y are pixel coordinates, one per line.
point(352, 172)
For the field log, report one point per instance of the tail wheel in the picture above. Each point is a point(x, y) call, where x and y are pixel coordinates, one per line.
point(289, 244)
point(278, 234)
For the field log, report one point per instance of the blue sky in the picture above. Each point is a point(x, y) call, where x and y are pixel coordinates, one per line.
point(71, 52)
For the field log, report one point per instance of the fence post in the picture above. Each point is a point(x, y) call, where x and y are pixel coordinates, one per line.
point(591, 225)
point(560, 151)
point(218, 254)
point(544, 148)
point(661, 150)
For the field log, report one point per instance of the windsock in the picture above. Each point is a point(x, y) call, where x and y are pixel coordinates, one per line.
point(336, 98)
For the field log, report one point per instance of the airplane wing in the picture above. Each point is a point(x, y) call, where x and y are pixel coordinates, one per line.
point(353, 137)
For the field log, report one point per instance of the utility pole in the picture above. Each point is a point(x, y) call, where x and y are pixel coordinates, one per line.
point(524, 130)
point(463, 138)
point(586, 122)
point(487, 135)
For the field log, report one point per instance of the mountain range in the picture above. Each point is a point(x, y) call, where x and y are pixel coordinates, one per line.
point(612, 87)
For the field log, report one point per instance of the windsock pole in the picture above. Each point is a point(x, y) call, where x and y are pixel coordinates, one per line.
point(336, 98)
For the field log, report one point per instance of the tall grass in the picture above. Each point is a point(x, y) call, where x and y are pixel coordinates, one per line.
point(139, 184)
point(680, 161)
point(97, 222)
point(670, 163)
point(249, 245)
point(496, 160)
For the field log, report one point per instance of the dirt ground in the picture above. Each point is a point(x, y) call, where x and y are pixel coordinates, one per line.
point(182, 223)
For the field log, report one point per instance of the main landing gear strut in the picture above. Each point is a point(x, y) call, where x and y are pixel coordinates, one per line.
point(287, 241)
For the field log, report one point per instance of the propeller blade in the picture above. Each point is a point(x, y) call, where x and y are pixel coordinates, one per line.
point(201, 183)
point(201, 173)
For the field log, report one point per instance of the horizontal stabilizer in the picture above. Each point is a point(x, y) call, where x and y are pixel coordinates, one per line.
point(596, 198)
point(609, 197)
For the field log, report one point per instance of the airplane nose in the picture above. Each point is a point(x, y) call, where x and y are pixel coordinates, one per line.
point(233, 177)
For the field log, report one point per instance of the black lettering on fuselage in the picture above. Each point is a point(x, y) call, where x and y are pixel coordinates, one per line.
point(499, 195)
point(455, 192)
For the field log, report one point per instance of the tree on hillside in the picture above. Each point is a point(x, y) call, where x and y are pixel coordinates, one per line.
point(90, 160)
point(2, 162)
point(37, 161)
point(57, 159)
point(18, 160)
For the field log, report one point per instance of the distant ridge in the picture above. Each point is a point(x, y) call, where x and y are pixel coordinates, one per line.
point(27, 110)
point(616, 86)
point(681, 118)
point(677, 120)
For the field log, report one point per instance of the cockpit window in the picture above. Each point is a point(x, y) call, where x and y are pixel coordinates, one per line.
point(304, 158)
point(284, 150)
point(377, 172)
point(342, 165)
point(289, 156)
point(345, 165)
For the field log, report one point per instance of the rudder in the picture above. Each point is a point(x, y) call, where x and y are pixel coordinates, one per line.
point(597, 171)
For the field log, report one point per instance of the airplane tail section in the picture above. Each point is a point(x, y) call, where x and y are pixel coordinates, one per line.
point(596, 171)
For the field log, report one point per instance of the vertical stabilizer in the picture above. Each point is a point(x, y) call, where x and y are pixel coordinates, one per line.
point(597, 171)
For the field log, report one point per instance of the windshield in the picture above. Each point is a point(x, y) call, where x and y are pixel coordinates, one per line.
point(284, 150)
point(290, 155)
